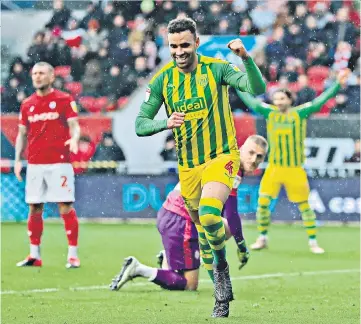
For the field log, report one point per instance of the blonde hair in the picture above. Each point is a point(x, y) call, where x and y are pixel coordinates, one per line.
point(259, 140)
point(49, 66)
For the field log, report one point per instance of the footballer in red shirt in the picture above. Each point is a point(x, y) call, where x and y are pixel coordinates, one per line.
point(48, 122)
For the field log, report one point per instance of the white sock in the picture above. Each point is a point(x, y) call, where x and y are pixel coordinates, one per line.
point(264, 236)
point(72, 252)
point(312, 242)
point(35, 251)
point(146, 272)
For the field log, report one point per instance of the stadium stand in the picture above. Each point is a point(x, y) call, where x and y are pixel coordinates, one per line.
point(123, 41)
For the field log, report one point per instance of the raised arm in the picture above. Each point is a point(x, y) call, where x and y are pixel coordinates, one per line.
point(255, 104)
point(315, 105)
point(251, 81)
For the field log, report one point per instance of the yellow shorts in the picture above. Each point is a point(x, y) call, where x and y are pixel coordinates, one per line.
point(293, 179)
point(223, 168)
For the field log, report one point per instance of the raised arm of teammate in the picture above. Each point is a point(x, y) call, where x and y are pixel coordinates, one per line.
point(255, 104)
point(315, 105)
point(251, 81)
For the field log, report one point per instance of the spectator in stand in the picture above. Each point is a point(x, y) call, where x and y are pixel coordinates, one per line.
point(323, 15)
point(224, 28)
point(141, 70)
point(60, 16)
point(275, 50)
point(86, 150)
point(213, 16)
point(317, 55)
point(17, 71)
point(118, 33)
point(305, 93)
point(169, 152)
point(247, 28)
point(108, 150)
point(113, 83)
point(197, 13)
point(93, 38)
point(138, 32)
point(166, 12)
point(150, 50)
point(342, 56)
point(290, 69)
point(300, 15)
point(79, 59)
point(37, 51)
point(314, 33)
point(109, 14)
point(104, 59)
point(93, 11)
point(92, 78)
point(296, 42)
point(121, 55)
point(12, 97)
point(58, 53)
point(342, 29)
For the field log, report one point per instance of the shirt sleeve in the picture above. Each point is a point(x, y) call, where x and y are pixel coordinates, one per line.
point(250, 81)
point(145, 125)
point(23, 118)
point(254, 104)
point(309, 108)
point(71, 109)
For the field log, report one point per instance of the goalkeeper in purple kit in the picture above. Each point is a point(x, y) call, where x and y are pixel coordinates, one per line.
point(180, 260)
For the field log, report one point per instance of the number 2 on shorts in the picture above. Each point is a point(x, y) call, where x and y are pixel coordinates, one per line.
point(64, 181)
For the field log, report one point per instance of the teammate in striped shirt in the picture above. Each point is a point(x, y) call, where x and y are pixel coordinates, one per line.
point(179, 262)
point(194, 90)
point(286, 132)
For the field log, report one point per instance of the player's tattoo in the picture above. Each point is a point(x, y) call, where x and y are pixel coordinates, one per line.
point(20, 142)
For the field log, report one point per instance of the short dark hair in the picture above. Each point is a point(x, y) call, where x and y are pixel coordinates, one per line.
point(181, 25)
point(287, 92)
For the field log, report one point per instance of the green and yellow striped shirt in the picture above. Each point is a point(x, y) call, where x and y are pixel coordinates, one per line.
point(202, 95)
point(286, 132)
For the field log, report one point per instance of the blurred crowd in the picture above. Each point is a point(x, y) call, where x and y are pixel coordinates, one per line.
point(103, 57)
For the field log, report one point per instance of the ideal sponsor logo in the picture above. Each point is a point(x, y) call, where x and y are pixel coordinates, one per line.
point(190, 105)
point(43, 117)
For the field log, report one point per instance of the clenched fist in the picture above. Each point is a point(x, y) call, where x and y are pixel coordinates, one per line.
point(237, 47)
point(175, 120)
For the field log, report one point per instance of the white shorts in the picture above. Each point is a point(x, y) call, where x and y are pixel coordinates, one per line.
point(49, 183)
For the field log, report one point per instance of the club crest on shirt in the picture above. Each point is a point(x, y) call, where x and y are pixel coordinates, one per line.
point(32, 108)
point(52, 105)
point(202, 80)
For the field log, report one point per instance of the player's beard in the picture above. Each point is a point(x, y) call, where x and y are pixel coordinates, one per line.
point(188, 61)
point(44, 87)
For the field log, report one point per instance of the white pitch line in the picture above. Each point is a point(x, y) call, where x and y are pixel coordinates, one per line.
point(254, 277)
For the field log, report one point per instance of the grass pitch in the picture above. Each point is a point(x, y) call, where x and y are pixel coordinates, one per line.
point(284, 284)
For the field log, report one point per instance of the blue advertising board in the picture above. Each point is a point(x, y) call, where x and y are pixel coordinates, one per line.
point(114, 196)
